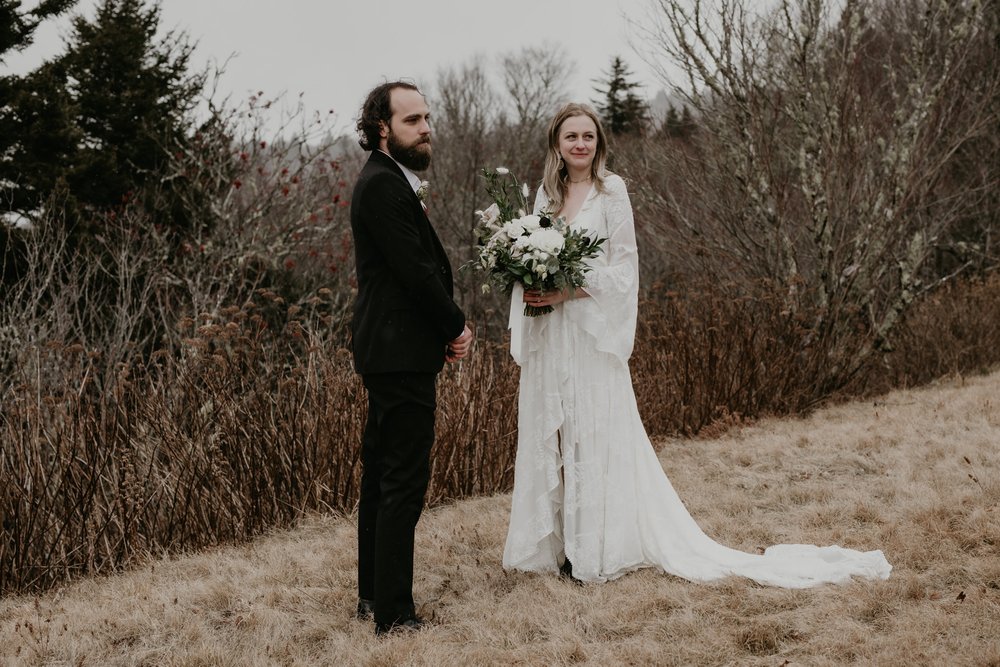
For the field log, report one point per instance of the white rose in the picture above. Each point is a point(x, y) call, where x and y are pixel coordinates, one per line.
point(547, 240)
point(503, 171)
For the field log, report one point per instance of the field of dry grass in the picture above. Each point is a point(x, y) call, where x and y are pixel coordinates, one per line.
point(915, 473)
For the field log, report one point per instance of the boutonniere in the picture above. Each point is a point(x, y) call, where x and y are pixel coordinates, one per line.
point(422, 191)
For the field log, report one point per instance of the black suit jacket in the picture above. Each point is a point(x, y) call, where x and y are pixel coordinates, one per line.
point(404, 315)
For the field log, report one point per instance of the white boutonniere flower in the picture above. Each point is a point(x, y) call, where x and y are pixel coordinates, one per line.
point(422, 190)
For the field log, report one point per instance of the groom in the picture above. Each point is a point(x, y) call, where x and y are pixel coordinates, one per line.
point(405, 326)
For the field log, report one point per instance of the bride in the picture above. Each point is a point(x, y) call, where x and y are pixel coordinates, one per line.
point(590, 496)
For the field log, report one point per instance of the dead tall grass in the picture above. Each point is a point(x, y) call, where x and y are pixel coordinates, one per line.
point(914, 473)
point(256, 417)
point(704, 358)
point(954, 330)
point(255, 421)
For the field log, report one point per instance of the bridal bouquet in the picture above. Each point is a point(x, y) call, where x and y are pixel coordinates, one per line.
point(537, 251)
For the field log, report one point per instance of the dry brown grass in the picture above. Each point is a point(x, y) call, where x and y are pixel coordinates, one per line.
point(914, 473)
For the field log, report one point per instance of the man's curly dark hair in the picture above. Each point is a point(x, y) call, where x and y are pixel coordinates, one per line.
point(377, 109)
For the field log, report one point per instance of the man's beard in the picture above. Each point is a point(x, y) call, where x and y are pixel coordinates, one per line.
point(411, 157)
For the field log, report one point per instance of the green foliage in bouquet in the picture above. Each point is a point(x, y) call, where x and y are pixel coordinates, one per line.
point(536, 251)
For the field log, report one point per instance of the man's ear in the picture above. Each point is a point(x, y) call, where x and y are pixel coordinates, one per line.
point(383, 129)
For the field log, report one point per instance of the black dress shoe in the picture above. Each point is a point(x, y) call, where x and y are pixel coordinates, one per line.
point(566, 570)
point(366, 609)
point(412, 624)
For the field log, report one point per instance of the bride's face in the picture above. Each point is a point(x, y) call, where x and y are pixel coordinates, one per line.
point(578, 142)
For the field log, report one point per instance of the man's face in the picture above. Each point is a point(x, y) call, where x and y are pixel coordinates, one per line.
point(408, 136)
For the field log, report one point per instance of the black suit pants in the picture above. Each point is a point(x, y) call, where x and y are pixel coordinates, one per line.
point(395, 460)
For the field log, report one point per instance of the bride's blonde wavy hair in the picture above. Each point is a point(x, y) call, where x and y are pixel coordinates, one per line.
point(554, 180)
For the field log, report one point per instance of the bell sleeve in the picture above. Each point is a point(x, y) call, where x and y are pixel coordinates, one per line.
point(610, 312)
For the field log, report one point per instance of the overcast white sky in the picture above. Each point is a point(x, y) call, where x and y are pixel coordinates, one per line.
point(333, 52)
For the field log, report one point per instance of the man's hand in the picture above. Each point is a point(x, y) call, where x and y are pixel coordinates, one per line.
point(459, 348)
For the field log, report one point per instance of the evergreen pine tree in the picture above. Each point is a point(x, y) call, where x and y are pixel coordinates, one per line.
point(672, 122)
point(17, 27)
point(133, 96)
point(622, 110)
point(39, 123)
point(103, 118)
point(678, 125)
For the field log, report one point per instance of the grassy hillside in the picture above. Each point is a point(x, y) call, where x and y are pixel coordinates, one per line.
point(915, 473)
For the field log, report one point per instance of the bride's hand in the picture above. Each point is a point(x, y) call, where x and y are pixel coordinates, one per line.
point(542, 298)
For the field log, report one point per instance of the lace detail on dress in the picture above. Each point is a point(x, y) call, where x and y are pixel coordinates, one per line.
point(609, 313)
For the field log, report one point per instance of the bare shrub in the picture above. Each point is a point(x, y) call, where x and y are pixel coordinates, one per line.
point(256, 417)
point(834, 157)
point(706, 359)
point(274, 208)
point(952, 331)
point(250, 426)
point(101, 297)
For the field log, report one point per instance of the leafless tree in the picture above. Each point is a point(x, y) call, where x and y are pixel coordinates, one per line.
point(465, 108)
point(535, 79)
point(835, 153)
point(473, 129)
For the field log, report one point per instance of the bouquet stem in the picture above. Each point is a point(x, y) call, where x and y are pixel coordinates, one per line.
point(535, 311)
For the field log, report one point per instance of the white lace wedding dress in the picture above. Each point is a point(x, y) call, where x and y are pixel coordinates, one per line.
point(587, 482)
